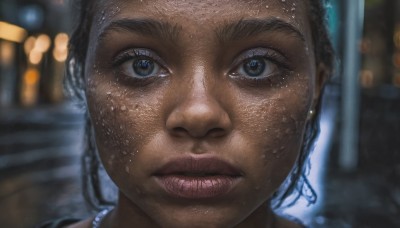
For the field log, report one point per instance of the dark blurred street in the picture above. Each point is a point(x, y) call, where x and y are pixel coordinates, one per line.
point(40, 165)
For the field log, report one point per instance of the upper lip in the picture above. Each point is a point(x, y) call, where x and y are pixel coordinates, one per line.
point(198, 166)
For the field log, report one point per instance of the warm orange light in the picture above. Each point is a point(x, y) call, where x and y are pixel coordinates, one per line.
point(60, 51)
point(7, 52)
point(42, 43)
point(61, 41)
point(30, 87)
point(31, 77)
point(12, 32)
point(35, 57)
point(29, 44)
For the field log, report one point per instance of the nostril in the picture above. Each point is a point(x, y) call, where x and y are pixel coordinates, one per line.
point(216, 132)
point(179, 131)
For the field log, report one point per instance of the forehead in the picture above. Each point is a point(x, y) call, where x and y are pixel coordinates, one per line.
point(203, 11)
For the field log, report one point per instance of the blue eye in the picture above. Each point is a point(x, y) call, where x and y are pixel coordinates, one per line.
point(139, 64)
point(254, 67)
point(143, 67)
point(257, 67)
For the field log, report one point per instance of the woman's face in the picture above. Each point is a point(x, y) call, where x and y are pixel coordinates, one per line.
point(199, 107)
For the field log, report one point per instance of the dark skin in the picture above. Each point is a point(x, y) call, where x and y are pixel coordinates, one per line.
point(168, 79)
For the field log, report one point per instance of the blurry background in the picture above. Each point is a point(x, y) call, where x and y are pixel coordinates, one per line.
point(355, 166)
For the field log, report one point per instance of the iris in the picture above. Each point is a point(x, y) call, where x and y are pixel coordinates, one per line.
point(143, 67)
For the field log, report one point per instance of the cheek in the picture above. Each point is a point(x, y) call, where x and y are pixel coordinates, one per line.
point(274, 126)
point(123, 122)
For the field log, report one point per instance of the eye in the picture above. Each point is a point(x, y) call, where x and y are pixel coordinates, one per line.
point(141, 67)
point(257, 67)
point(140, 64)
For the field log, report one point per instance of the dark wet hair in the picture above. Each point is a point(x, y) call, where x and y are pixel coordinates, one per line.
point(295, 186)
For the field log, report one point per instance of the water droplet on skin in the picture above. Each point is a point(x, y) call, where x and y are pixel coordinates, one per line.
point(257, 188)
point(112, 108)
point(124, 152)
point(108, 93)
point(283, 0)
point(267, 6)
point(127, 141)
point(123, 108)
point(127, 169)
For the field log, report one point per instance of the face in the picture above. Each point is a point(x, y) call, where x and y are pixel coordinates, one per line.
point(199, 107)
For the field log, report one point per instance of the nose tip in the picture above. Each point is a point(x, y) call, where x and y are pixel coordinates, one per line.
point(198, 119)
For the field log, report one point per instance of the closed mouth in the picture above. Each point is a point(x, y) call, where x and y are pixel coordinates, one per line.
point(197, 178)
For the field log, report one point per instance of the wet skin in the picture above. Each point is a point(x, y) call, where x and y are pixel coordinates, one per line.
point(224, 80)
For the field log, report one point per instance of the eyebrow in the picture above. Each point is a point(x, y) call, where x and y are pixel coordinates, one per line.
point(246, 28)
point(145, 27)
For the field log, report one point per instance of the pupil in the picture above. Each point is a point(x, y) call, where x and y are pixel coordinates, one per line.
point(254, 67)
point(143, 67)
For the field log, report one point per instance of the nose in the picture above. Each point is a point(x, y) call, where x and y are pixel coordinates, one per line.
point(199, 114)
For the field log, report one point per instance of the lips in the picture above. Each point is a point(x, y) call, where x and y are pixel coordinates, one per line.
point(197, 178)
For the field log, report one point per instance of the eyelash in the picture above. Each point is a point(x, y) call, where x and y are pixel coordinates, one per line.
point(133, 54)
point(266, 54)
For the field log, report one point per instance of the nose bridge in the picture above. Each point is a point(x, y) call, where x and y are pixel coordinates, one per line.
point(201, 86)
point(199, 111)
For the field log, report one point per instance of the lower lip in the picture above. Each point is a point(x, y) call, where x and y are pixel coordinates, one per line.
point(193, 187)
